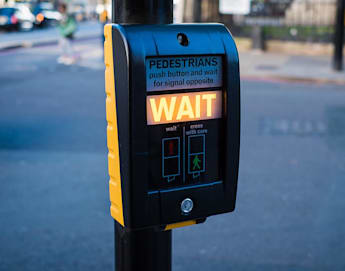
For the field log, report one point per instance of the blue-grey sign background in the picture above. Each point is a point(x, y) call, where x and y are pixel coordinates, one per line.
point(186, 77)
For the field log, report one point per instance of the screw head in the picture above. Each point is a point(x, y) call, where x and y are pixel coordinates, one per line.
point(187, 206)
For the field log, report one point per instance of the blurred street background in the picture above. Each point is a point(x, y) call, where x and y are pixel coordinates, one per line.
point(54, 202)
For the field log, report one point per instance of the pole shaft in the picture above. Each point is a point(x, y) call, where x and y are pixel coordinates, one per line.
point(142, 12)
point(339, 36)
point(147, 249)
point(144, 250)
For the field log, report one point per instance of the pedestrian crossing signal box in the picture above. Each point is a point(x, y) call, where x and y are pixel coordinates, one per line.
point(173, 113)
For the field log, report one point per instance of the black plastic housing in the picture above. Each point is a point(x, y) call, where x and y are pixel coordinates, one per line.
point(132, 44)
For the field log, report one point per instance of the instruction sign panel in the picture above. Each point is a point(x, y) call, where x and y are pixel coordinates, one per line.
point(184, 113)
point(187, 72)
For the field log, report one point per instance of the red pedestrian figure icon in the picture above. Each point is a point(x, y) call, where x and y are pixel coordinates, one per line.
point(171, 148)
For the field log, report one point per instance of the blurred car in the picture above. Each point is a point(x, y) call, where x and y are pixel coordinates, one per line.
point(16, 18)
point(46, 14)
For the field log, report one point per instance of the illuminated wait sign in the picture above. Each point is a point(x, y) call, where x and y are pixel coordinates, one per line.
point(183, 107)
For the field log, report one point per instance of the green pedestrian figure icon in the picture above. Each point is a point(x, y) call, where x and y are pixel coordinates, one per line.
point(196, 155)
point(196, 162)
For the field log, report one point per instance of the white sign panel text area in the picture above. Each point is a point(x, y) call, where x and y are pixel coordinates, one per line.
point(185, 72)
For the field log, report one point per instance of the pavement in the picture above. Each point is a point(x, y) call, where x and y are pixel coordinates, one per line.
point(54, 201)
point(254, 64)
point(286, 67)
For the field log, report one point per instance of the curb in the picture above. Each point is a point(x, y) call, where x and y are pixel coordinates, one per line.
point(46, 42)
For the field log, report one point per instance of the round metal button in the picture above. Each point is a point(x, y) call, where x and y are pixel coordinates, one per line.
point(187, 205)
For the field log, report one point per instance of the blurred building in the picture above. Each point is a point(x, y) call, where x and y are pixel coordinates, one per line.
point(290, 12)
point(311, 12)
point(296, 20)
point(185, 10)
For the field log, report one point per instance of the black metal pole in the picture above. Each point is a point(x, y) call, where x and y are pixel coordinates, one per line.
point(144, 250)
point(197, 11)
point(148, 249)
point(258, 38)
point(339, 36)
point(142, 11)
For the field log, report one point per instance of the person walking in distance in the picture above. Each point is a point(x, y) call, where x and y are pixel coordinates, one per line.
point(67, 28)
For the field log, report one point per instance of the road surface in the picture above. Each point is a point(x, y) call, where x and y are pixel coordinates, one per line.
point(46, 35)
point(54, 206)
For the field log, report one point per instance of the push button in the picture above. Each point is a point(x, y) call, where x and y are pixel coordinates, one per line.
point(187, 206)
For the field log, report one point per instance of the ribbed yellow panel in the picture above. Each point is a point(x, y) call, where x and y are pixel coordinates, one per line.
point(180, 224)
point(116, 208)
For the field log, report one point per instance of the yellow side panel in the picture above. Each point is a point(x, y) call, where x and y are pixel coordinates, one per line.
point(180, 224)
point(116, 208)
